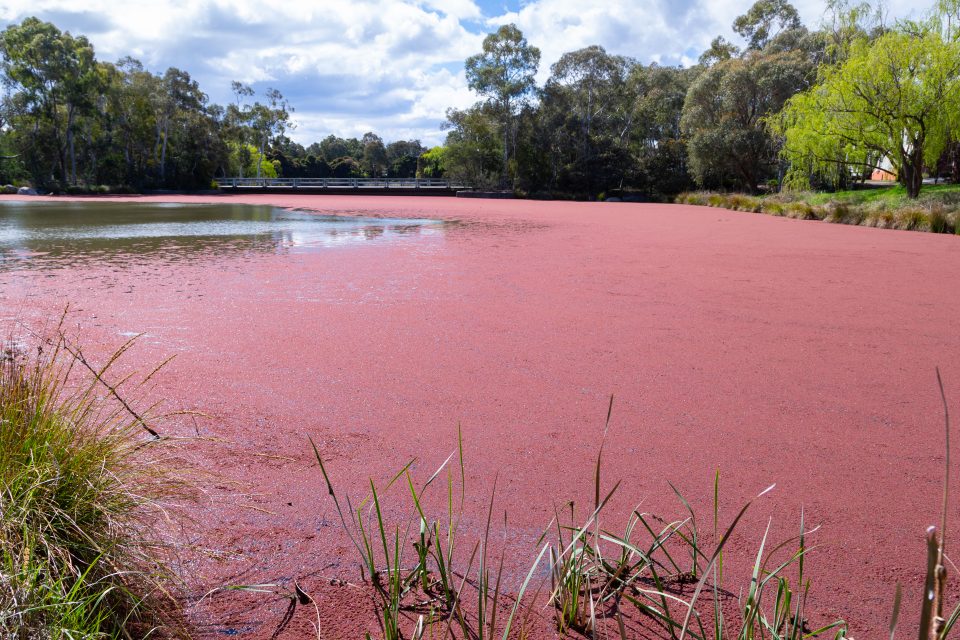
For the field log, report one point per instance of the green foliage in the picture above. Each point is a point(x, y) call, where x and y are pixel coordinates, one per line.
point(257, 123)
point(473, 148)
point(585, 108)
point(374, 160)
point(504, 72)
point(242, 161)
point(757, 25)
point(656, 140)
point(431, 163)
point(55, 81)
point(895, 98)
point(75, 121)
point(403, 157)
point(346, 167)
point(723, 116)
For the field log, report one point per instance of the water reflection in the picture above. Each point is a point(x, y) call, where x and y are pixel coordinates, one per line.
point(44, 235)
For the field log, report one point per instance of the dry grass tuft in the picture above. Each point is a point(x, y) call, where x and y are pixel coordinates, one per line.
point(82, 489)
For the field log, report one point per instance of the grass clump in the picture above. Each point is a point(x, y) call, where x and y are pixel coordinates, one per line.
point(81, 489)
point(658, 578)
point(937, 210)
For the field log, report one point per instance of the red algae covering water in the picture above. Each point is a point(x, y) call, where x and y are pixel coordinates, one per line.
point(773, 350)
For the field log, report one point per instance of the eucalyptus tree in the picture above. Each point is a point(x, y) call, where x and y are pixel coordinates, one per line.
point(657, 146)
point(402, 157)
point(589, 118)
point(268, 122)
point(178, 101)
point(718, 51)
point(724, 116)
point(332, 148)
point(472, 148)
point(53, 79)
point(130, 106)
point(374, 158)
point(765, 20)
point(236, 126)
point(504, 72)
point(727, 105)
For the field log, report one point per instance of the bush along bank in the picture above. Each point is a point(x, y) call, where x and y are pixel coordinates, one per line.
point(937, 210)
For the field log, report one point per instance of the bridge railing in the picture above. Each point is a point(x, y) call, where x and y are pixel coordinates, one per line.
point(341, 183)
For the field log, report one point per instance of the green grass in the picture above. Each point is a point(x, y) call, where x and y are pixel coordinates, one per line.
point(937, 210)
point(81, 492)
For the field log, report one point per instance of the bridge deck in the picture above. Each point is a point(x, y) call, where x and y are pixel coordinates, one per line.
point(345, 185)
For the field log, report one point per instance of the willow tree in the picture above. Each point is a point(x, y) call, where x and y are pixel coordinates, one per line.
point(896, 98)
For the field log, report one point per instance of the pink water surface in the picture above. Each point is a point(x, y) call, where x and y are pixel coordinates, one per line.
point(775, 351)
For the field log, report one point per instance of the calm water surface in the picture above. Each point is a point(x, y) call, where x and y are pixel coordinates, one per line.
point(50, 235)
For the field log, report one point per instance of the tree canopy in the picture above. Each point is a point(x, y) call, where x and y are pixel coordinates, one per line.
point(780, 104)
point(896, 98)
point(504, 72)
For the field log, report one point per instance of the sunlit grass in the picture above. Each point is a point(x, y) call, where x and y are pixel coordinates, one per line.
point(82, 489)
point(937, 210)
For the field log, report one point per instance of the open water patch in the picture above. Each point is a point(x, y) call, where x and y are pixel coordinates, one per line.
point(45, 235)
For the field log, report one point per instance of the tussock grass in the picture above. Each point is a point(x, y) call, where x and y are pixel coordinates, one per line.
point(936, 211)
point(82, 488)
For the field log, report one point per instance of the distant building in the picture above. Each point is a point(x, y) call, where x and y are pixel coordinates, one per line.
point(884, 172)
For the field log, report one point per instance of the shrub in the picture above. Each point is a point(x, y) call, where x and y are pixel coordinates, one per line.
point(800, 210)
point(938, 220)
point(79, 500)
point(739, 202)
point(913, 219)
point(773, 208)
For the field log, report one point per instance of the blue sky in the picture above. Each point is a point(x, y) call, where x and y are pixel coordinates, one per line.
point(389, 66)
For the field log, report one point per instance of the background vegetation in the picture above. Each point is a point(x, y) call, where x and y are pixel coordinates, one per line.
point(790, 106)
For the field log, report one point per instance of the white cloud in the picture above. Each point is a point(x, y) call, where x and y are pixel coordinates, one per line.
point(392, 66)
point(664, 31)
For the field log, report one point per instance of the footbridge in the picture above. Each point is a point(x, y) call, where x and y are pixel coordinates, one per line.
point(365, 186)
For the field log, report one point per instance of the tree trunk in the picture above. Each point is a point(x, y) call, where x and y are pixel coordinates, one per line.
point(62, 156)
point(955, 162)
point(263, 143)
point(504, 179)
point(912, 170)
point(163, 152)
point(73, 155)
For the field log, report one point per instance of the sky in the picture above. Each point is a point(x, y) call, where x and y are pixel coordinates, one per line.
point(388, 66)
